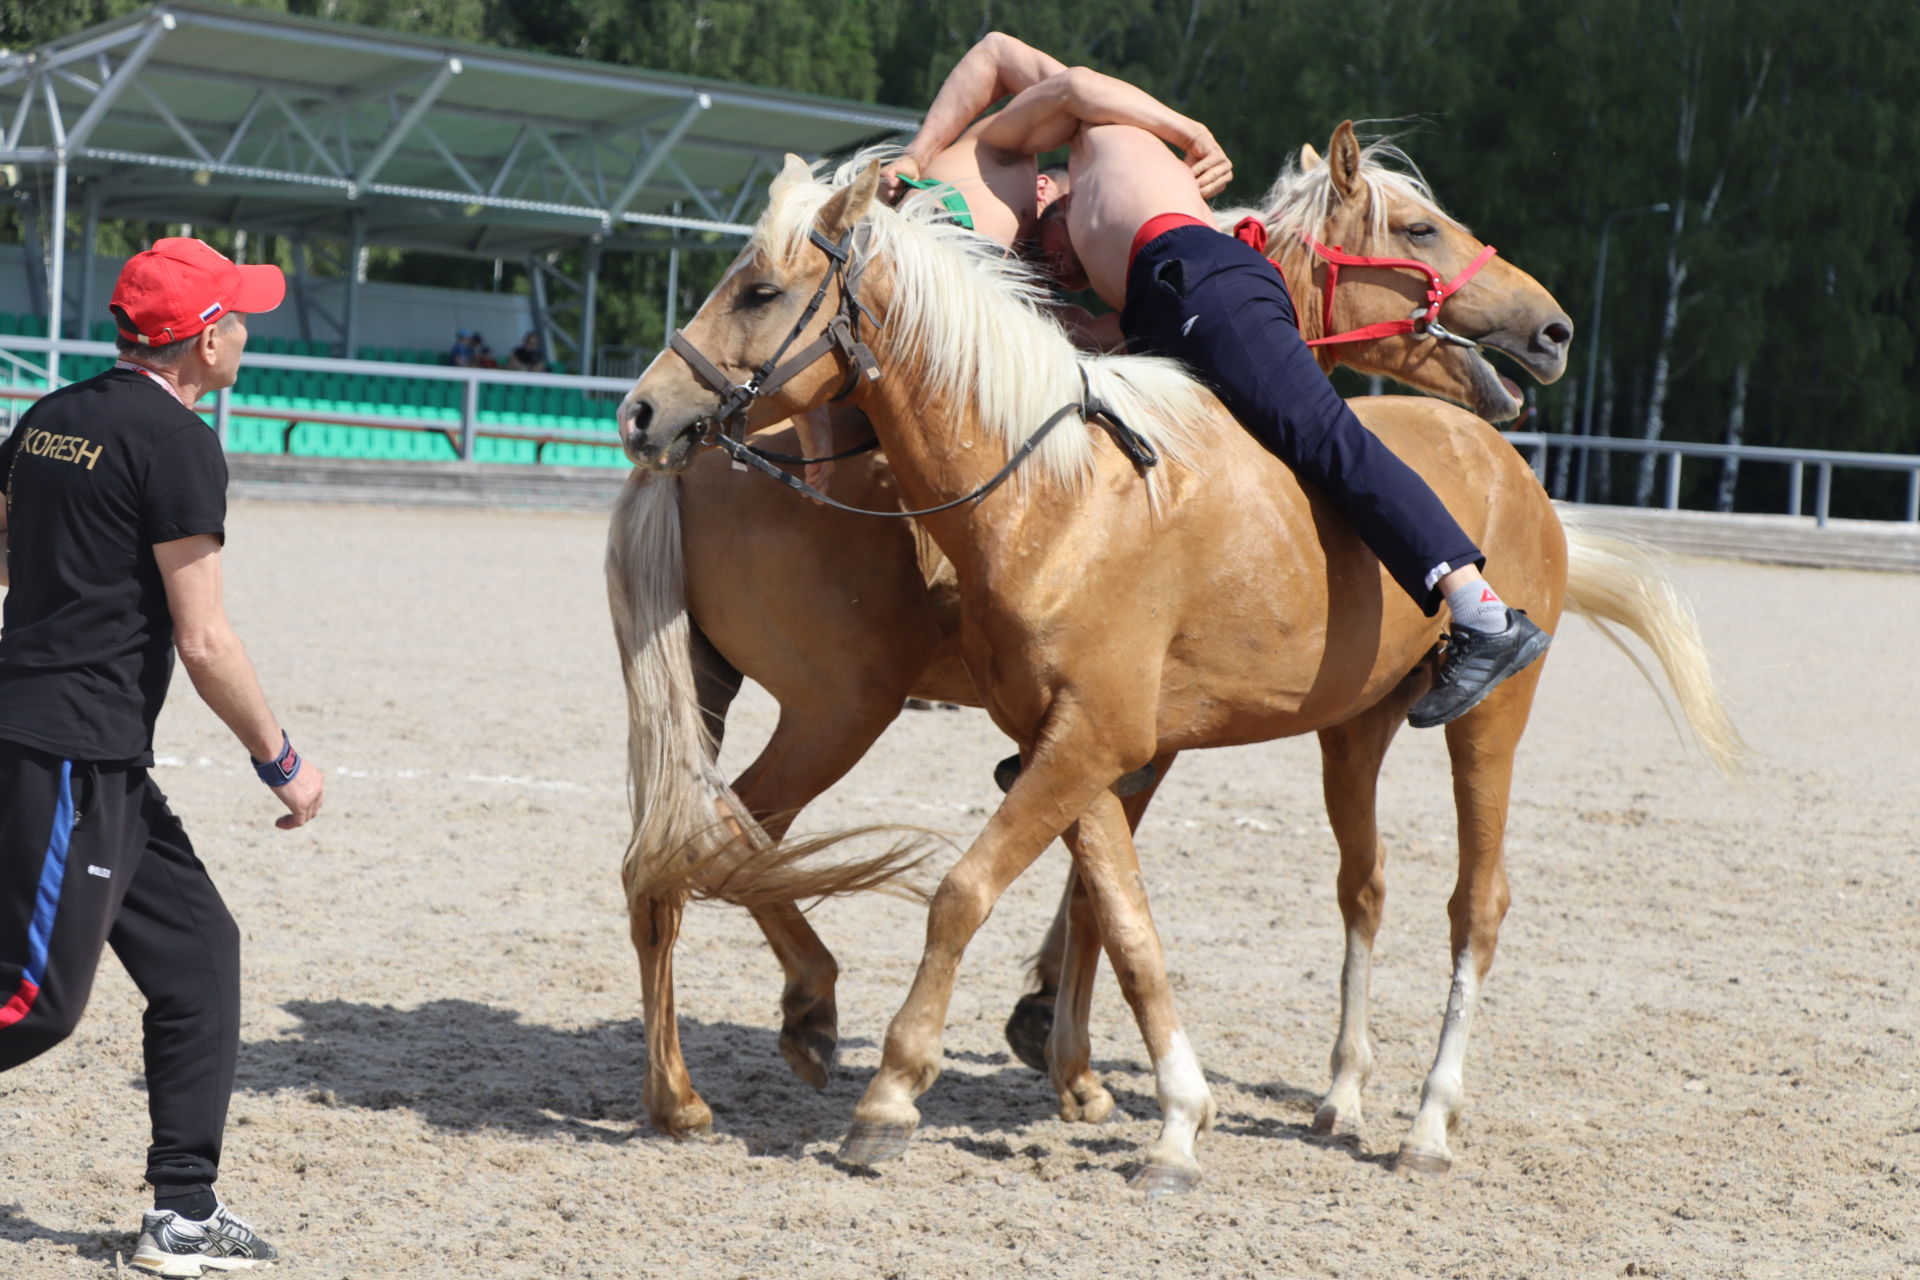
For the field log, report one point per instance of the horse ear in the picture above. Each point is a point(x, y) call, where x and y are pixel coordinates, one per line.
point(1309, 158)
point(850, 203)
point(793, 171)
point(1343, 158)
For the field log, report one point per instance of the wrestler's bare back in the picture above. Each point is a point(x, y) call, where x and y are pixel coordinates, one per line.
point(998, 186)
point(1122, 176)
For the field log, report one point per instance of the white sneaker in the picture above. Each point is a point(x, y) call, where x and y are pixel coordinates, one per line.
point(172, 1244)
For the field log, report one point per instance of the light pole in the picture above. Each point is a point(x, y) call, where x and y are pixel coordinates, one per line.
point(1593, 335)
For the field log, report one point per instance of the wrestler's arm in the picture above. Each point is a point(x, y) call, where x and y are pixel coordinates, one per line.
point(1089, 331)
point(1049, 114)
point(994, 68)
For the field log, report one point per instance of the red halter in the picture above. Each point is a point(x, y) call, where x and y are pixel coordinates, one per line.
point(1424, 320)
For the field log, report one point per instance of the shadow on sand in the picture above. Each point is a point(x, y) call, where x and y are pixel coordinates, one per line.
point(101, 1246)
point(463, 1066)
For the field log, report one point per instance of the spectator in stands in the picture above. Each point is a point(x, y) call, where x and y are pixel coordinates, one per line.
point(483, 354)
point(530, 356)
point(466, 349)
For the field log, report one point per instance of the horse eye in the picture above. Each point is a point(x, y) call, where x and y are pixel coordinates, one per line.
point(1420, 230)
point(762, 293)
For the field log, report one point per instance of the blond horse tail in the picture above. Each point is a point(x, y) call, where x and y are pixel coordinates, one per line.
point(1620, 581)
point(692, 837)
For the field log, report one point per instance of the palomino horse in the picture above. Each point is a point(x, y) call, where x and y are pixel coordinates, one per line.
point(1111, 618)
point(842, 619)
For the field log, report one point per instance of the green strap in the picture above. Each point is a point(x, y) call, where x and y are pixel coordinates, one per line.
point(954, 202)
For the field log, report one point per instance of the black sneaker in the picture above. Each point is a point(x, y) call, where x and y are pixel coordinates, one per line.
point(174, 1245)
point(1475, 664)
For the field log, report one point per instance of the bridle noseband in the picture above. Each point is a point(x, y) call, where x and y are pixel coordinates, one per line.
point(842, 335)
point(1425, 320)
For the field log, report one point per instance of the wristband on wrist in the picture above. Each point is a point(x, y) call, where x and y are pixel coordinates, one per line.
point(283, 768)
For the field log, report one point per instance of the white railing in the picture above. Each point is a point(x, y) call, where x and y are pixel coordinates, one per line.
point(468, 427)
point(1823, 461)
point(462, 431)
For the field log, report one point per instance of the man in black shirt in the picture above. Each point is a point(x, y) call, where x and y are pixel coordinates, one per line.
point(110, 539)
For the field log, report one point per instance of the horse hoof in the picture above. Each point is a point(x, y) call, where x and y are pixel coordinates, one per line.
point(1137, 781)
point(691, 1120)
point(810, 1054)
point(1029, 1027)
point(868, 1143)
point(1412, 1161)
point(1328, 1122)
point(1164, 1180)
point(1006, 773)
point(1096, 1107)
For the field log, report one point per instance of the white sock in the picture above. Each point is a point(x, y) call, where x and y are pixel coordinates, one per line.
point(1477, 608)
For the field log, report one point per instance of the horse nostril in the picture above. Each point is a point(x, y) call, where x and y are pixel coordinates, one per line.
point(638, 415)
point(1555, 334)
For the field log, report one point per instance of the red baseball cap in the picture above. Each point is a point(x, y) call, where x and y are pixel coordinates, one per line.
point(182, 285)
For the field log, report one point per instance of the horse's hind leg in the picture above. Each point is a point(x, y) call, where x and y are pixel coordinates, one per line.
point(1068, 1047)
point(809, 1014)
point(1034, 1014)
point(666, 1090)
point(1481, 744)
point(1350, 756)
point(812, 747)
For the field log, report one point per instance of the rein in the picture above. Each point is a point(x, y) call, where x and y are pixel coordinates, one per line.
point(1138, 448)
point(748, 455)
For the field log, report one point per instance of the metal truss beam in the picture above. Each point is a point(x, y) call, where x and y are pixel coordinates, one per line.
point(407, 120)
point(668, 141)
point(122, 78)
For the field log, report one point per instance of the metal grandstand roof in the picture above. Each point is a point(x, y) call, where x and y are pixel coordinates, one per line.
point(201, 113)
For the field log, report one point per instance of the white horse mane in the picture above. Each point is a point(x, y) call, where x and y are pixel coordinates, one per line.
point(1302, 200)
point(973, 324)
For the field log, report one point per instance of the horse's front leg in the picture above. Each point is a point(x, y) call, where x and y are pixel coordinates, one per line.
point(1033, 1016)
point(1111, 870)
point(1481, 744)
point(1350, 756)
point(1046, 798)
point(666, 1090)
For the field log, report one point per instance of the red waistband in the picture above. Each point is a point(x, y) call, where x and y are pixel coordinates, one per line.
point(1155, 227)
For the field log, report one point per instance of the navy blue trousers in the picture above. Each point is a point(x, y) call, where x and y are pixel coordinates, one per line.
point(1217, 306)
point(92, 857)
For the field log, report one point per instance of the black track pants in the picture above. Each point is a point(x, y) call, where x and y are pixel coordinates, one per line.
point(1221, 309)
point(90, 855)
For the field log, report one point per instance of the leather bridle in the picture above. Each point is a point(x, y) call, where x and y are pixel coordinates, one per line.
point(846, 262)
point(842, 334)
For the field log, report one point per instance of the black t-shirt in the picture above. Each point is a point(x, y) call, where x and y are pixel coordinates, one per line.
point(94, 475)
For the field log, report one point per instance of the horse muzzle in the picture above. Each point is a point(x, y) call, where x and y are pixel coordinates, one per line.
point(655, 445)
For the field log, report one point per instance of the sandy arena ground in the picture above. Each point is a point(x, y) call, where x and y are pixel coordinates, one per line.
point(1696, 1059)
